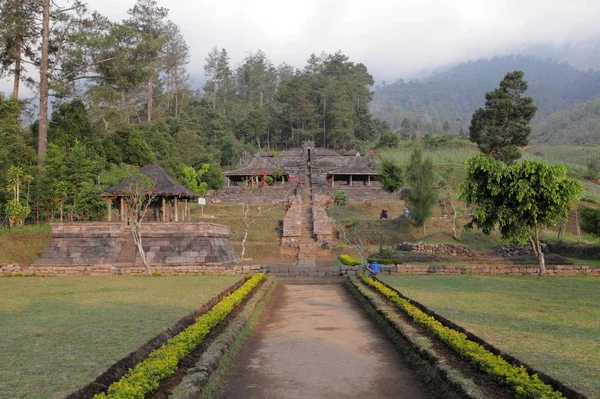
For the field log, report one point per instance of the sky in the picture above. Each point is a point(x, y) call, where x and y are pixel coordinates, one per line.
point(393, 38)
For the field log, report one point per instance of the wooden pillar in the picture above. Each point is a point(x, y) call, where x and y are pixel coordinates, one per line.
point(368, 180)
point(176, 210)
point(228, 181)
point(123, 218)
point(350, 180)
point(109, 208)
point(164, 209)
point(332, 180)
point(189, 210)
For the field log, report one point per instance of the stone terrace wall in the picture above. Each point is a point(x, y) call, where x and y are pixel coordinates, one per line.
point(498, 270)
point(219, 269)
point(323, 225)
point(236, 195)
point(164, 243)
point(292, 222)
point(438, 249)
point(360, 193)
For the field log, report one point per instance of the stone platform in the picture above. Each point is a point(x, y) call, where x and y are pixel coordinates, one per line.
point(165, 243)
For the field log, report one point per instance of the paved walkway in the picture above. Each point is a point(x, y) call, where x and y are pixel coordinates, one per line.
point(315, 342)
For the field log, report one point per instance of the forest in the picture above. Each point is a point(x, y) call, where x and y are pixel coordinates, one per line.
point(121, 98)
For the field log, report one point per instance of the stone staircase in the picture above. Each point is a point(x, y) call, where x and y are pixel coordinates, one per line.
point(307, 246)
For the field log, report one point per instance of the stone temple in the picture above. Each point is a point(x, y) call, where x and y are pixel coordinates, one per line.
point(304, 179)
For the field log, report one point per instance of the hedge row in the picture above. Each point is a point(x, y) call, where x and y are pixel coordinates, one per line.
point(146, 376)
point(349, 260)
point(523, 385)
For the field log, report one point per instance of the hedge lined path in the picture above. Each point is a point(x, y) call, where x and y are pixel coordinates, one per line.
point(315, 343)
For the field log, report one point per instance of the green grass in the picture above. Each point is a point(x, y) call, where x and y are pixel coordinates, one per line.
point(23, 245)
point(57, 334)
point(551, 323)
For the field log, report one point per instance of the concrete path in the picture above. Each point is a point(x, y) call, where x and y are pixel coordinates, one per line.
point(315, 342)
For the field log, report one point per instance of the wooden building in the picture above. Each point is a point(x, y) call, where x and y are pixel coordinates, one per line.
point(172, 202)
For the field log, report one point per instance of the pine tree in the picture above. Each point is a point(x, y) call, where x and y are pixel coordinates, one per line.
point(502, 126)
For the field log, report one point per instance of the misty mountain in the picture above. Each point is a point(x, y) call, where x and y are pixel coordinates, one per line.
point(453, 94)
point(583, 54)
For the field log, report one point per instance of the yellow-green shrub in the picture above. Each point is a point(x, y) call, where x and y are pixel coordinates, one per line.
point(146, 376)
point(349, 260)
point(524, 385)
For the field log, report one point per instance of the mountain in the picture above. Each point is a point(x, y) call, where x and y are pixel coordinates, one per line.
point(453, 95)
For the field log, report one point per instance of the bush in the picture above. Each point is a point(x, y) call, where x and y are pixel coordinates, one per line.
point(590, 220)
point(349, 260)
point(523, 385)
point(146, 376)
point(339, 197)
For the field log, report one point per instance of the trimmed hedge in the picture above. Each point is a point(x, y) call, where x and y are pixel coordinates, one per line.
point(523, 385)
point(146, 376)
point(349, 260)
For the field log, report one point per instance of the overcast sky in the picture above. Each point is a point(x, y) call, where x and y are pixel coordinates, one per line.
point(393, 38)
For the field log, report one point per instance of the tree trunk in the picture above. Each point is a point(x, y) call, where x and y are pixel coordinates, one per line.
point(17, 81)
point(150, 87)
point(244, 243)
point(43, 116)
point(136, 234)
point(577, 223)
point(537, 250)
point(455, 234)
point(215, 95)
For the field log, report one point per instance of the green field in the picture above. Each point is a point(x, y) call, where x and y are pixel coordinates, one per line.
point(59, 333)
point(553, 324)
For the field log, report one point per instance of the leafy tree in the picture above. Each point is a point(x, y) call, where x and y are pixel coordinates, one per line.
point(387, 139)
point(521, 199)
point(502, 126)
point(422, 196)
point(192, 178)
point(590, 219)
point(391, 175)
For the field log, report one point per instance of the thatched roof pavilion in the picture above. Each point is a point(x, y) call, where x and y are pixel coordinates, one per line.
point(168, 193)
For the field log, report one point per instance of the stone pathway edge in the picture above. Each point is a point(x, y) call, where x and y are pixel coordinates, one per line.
point(207, 372)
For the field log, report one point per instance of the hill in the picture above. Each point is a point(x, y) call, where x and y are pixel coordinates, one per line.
point(453, 95)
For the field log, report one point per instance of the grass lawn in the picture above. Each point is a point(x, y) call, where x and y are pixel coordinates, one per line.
point(551, 323)
point(58, 333)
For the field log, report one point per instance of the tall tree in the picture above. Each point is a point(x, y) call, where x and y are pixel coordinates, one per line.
point(19, 34)
point(148, 20)
point(502, 126)
point(220, 83)
point(422, 196)
point(521, 199)
point(176, 56)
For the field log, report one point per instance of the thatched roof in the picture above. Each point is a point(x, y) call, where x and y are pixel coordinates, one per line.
point(358, 166)
point(164, 185)
point(351, 153)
